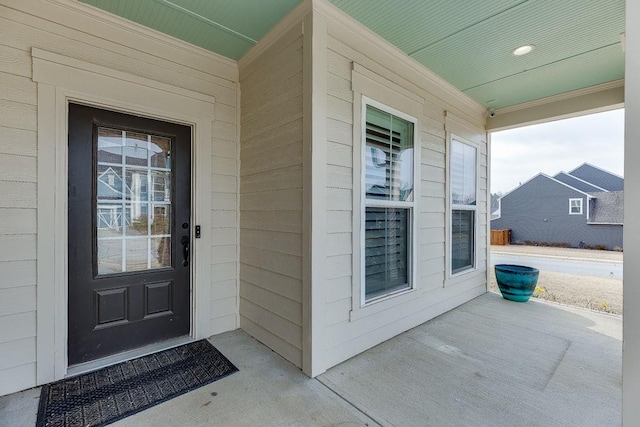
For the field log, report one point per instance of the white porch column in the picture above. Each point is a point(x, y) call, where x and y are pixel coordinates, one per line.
point(631, 327)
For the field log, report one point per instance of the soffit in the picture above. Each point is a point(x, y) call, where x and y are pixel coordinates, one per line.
point(467, 42)
point(227, 27)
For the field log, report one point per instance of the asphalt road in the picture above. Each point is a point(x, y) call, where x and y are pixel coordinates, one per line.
point(599, 268)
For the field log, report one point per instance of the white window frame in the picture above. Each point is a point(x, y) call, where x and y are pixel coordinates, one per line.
point(365, 203)
point(451, 207)
point(369, 86)
point(571, 207)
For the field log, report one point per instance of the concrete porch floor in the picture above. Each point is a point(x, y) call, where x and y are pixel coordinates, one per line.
point(490, 362)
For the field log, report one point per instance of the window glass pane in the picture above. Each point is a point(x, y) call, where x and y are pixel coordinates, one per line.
point(462, 240)
point(386, 251)
point(388, 157)
point(463, 174)
point(576, 206)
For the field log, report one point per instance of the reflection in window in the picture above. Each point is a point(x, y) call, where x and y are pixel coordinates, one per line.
point(463, 167)
point(389, 182)
point(575, 206)
point(388, 157)
point(462, 240)
point(463, 174)
point(133, 201)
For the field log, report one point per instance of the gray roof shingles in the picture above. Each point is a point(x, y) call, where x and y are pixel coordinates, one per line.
point(607, 208)
point(599, 177)
point(575, 182)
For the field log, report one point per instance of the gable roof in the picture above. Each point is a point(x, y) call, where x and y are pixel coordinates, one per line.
point(577, 182)
point(607, 208)
point(598, 177)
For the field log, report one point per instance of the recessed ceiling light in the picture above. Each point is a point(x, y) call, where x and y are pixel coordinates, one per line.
point(523, 50)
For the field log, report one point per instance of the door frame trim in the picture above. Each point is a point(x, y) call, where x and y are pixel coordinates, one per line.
point(61, 80)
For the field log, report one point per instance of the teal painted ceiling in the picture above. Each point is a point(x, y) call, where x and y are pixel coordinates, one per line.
point(467, 42)
point(227, 27)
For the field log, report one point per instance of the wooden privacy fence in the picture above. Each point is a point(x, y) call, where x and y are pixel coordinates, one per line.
point(500, 237)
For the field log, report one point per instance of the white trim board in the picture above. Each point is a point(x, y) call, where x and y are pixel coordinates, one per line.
point(315, 195)
point(99, 22)
point(594, 99)
point(61, 80)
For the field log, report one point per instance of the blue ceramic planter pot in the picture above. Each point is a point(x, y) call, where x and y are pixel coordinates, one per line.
point(516, 282)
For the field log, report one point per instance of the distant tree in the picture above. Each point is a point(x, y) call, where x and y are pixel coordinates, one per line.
point(494, 200)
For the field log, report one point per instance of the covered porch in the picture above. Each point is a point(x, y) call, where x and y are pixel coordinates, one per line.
point(276, 274)
point(487, 362)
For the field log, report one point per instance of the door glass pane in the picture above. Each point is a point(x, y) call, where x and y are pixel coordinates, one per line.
point(136, 149)
point(160, 152)
point(109, 255)
point(161, 186)
point(160, 252)
point(133, 201)
point(137, 187)
point(137, 219)
point(110, 144)
point(160, 220)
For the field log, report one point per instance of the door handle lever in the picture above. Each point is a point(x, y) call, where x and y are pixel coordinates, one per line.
point(185, 250)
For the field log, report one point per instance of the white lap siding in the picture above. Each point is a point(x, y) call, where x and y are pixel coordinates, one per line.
point(271, 196)
point(65, 31)
point(348, 330)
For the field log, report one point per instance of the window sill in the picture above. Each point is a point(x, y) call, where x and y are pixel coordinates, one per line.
point(382, 304)
point(465, 276)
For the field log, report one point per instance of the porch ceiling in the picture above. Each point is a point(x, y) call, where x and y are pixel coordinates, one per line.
point(468, 43)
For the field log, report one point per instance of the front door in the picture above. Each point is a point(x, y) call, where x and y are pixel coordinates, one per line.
point(129, 232)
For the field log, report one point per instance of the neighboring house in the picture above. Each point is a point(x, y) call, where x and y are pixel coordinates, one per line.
point(565, 209)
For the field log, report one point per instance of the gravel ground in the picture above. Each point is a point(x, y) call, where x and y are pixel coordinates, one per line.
point(595, 293)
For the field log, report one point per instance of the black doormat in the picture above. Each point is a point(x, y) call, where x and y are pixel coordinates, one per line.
point(102, 397)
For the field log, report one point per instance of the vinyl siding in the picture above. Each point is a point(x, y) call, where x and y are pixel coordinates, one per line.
point(58, 29)
point(17, 216)
point(346, 334)
point(225, 220)
point(271, 196)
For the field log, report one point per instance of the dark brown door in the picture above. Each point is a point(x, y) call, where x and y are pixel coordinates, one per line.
point(129, 232)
